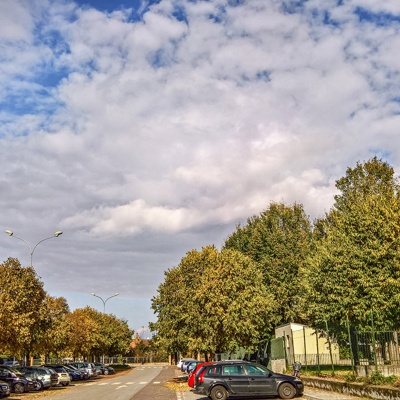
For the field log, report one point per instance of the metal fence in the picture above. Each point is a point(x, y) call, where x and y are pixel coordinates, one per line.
point(317, 347)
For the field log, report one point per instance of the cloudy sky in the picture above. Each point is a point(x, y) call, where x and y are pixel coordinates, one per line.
point(145, 129)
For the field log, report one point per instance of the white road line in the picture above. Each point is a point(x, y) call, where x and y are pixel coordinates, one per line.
point(121, 387)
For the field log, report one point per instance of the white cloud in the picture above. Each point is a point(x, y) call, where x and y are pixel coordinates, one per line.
point(142, 139)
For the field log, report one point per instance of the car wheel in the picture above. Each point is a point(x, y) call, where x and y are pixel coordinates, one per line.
point(218, 393)
point(19, 388)
point(286, 391)
point(65, 383)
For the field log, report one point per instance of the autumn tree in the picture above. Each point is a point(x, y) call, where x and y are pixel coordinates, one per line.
point(21, 299)
point(53, 329)
point(114, 336)
point(84, 332)
point(355, 264)
point(278, 240)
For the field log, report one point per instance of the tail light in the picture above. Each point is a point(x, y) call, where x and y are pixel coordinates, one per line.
point(200, 378)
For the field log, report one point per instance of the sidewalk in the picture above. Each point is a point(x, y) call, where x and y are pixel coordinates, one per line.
point(309, 394)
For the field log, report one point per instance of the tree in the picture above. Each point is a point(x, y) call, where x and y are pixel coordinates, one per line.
point(114, 335)
point(279, 242)
point(173, 304)
point(53, 329)
point(354, 267)
point(231, 308)
point(21, 299)
point(85, 332)
point(213, 301)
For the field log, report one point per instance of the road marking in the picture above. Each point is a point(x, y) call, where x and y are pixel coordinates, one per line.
point(121, 387)
point(156, 383)
point(117, 383)
point(143, 383)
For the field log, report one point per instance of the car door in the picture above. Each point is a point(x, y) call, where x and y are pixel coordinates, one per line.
point(260, 380)
point(236, 379)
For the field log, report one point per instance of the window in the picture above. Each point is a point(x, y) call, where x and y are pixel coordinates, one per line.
point(252, 370)
point(233, 370)
point(214, 370)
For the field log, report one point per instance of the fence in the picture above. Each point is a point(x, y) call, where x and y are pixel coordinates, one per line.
point(324, 346)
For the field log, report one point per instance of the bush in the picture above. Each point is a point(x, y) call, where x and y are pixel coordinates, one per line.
point(378, 379)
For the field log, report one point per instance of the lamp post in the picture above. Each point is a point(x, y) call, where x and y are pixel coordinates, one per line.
point(31, 250)
point(104, 304)
point(104, 301)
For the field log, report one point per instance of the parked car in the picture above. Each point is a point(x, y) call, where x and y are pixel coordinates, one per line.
point(95, 371)
point(47, 376)
point(4, 390)
point(11, 363)
point(182, 360)
point(89, 368)
point(33, 375)
point(17, 382)
point(221, 380)
point(63, 376)
point(191, 366)
point(104, 369)
point(193, 373)
point(185, 363)
point(75, 373)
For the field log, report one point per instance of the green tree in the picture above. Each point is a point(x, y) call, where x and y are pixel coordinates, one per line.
point(173, 304)
point(231, 308)
point(354, 267)
point(213, 301)
point(21, 299)
point(279, 241)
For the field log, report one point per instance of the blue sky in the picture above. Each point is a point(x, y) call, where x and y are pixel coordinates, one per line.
point(146, 129)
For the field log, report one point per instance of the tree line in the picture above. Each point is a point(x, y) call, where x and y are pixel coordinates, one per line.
point(282, 267)
point(33, 323)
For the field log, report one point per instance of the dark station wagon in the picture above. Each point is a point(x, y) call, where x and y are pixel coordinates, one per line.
point(224, 379)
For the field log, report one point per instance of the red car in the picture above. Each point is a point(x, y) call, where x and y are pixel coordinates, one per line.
point(193, 373)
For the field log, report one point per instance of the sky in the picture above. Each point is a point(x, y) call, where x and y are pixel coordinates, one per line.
point(145, 129)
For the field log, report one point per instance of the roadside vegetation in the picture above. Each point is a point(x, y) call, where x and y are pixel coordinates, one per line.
point(281, 267)
point(35, 324)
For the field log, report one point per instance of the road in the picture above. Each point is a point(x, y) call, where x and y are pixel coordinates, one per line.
point(142, 383)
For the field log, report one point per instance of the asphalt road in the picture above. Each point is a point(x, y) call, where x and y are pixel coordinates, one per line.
point(142, 383)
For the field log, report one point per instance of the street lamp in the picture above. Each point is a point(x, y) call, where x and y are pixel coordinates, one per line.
point(31, 250)
point(104, 301)
point(104, 305)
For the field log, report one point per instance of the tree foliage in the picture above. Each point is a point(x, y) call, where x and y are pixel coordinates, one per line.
point(21, 299)
point(354, 266)
point(278, 240)
point(212, 301)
